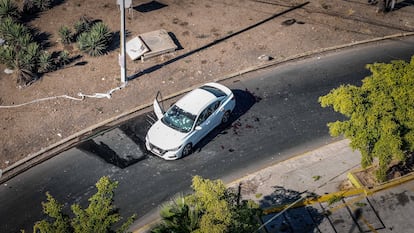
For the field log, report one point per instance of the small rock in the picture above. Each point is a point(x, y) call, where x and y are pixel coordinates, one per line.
point(60, 135)
point(8, 71)
point(264, 57)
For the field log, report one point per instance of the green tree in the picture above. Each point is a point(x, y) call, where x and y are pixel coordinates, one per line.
point(380, 114)
point(212, 208)
point(99, 216)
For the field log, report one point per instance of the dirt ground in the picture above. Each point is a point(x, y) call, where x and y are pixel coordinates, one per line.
point(215, 38)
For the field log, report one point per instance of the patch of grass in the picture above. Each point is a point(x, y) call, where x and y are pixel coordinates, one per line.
point(202, 36)
point(316, 178)
point(360, 204)
point(99, 109)
point(258, 195)
point(334, 199)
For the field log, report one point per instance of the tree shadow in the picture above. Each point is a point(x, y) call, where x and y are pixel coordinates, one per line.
point(245, 99)
point(158, 66)
point(295, 219)
point(150, 6)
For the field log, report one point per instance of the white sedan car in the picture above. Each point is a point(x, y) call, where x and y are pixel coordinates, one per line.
point(190, 119)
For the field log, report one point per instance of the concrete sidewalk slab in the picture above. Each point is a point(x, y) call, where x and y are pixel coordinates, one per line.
point(319, 171)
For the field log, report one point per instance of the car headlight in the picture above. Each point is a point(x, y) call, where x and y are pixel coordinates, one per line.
point(176, 148)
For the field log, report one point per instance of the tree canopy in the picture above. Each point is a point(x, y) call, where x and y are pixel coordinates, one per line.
point(99, 216)
point(380, 114)
point(212, 208)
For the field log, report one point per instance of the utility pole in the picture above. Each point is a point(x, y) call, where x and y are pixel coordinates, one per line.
point(122, 57)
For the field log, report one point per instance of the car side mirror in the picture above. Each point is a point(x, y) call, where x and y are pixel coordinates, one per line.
point(198, 127)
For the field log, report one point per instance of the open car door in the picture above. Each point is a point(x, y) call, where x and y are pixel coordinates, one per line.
point(158, 110)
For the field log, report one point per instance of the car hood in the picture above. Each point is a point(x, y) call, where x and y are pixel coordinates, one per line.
point(165, 137)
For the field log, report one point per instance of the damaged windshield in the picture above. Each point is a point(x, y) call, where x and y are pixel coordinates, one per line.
point(179, 119)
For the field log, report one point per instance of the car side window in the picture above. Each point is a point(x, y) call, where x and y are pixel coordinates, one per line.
point(207, 112)
point(203, 116)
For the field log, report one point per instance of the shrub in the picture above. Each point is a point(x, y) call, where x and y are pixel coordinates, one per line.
point(96, 41)
point(63, 58)
point(65, 35)
point(8, 9)
point(31, 6)
point(84, 24)
point(45, 62)
point(43, 5)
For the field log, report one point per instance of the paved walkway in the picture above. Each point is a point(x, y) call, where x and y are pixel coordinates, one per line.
point(314, 181)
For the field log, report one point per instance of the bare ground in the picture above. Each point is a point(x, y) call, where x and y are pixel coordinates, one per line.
point(216, 38)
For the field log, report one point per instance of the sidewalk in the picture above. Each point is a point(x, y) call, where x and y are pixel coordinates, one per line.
point(322, 173)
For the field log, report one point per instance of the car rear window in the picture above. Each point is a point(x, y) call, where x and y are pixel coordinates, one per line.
point(216, 92)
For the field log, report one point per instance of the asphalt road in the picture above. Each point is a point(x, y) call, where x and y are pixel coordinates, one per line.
point(277, 116)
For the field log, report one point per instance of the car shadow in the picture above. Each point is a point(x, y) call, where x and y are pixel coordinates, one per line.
point(245, 99)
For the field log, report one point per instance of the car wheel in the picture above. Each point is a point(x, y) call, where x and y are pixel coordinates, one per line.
point(226, 117)
point(187, 150)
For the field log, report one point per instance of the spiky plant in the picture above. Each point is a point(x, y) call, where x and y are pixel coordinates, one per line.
point(65, 35)
point(84, 24)
point(31, 6)
point(63, 58)
point(8, 8)
point(45, 62)
point(7, 56)
point(15, 34)
point(26, 63)
point(96, 41)
point(43, 5)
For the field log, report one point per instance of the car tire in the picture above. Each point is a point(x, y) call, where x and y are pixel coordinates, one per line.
point(188, 148)
point(226, 117)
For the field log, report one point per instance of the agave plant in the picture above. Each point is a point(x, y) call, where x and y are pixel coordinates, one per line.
point(31, 6)
point(65, 35)
point(96, 41)
point(8, 8)
point(42, 5)
point(63, 58)
point(45, 62)
point(7, 56)
point(84, 24)
point(14, 33)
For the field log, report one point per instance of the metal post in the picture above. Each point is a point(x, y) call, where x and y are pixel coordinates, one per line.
point(122, 58)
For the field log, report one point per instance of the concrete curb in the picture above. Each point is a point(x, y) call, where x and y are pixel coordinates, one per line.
point(371, 190)
point(50, 151)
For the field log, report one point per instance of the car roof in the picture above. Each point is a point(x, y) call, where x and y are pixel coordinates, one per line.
point(195, 101)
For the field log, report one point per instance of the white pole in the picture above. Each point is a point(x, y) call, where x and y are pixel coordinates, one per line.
point(122, 61)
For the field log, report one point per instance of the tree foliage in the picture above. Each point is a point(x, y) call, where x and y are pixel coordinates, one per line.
point(212, 208)
point(99, 216)
point(380, 114)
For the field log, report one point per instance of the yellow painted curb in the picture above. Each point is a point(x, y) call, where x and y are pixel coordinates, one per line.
point(354, 180)
point(359, 189)
point(319, 199)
